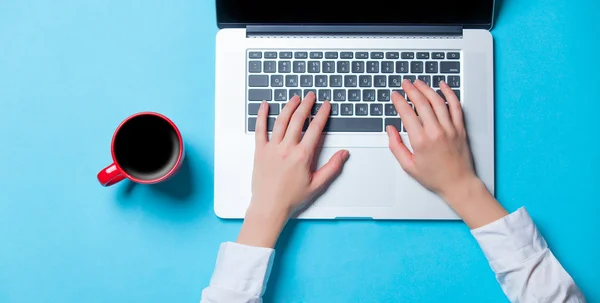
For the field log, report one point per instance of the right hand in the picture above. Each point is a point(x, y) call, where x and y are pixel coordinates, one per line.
point(441, 160)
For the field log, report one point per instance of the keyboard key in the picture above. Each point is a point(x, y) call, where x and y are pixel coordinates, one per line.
point(362, 55)
point(376, 55)
point(346, 110)
point(285, 55)
point(410, 78)
point(350, 81)
point(316, 55)
point(314, 67)
point(408, 55)
point(431, 67)
point(295, 92)
point(364, 81)
point(354, 124)
point(258, 81)
point(368, 95)
point(324, 94)
point(361, 109)
point(335, 81)
point(270, 55)
point(269, 66)
point(457, 93)
point(259, 95)
point(329, 66)
point(339, 95)
point(334, 110)
point(392, 55)
point(390, 110)
point(376, 109)
point(277, 81)
point(358, 67)
point(354, 95)
point(254, 66)
point(254, 107)
point(401, 67)
point(416, 67)
point(400, 91)
point(395, 81)
point(437, 79)
point(281, 95)
point(306, 81)
point(387, 67)
point(346, 55)
point(299, 67)
point(306, 91)
point(291, 80)
point(453, 56)
point(380, 81)
point(450, 67)
point(252, 124)
point(426, 79)
point(437, 55)
point(372, 67)
point(315, 108)
point(343, 67)
point(383, 95)
point(321, 81)
point(284, 66)
point(255, 55)
point(395, 122)
point(331, 55)
point(422, 55)
point(454, 81)
point(300, 55)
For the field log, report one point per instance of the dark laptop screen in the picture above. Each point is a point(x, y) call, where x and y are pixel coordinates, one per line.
point(470, 13)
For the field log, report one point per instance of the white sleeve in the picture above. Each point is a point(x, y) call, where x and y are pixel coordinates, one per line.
point(525, 268)
point(241, 274)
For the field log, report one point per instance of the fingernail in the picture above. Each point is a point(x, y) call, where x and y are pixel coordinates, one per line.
point(263, 104)
point(442, 82)
point(345, 155)
point(395, 93)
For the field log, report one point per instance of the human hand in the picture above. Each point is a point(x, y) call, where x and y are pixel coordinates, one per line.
point(441, 159)
point(284, 180)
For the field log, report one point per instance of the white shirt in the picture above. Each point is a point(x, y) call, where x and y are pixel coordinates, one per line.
point(518, 254)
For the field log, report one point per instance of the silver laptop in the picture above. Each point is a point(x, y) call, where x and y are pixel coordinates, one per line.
point(354, 54)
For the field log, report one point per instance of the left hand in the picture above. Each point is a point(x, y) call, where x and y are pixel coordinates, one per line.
point(284, 180)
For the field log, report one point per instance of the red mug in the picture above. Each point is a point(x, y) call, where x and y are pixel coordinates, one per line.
point(146, 148)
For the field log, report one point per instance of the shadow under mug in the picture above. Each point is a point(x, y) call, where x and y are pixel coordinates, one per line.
point(146, 148)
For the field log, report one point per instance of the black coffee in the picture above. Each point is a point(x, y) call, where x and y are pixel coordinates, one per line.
point(146, 147)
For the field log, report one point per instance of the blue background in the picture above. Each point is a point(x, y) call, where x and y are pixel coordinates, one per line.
point(70, 71)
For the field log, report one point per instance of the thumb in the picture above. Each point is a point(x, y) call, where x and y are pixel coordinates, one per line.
point(330, 170)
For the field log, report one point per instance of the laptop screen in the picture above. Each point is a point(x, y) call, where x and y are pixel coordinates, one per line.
point(469, 13)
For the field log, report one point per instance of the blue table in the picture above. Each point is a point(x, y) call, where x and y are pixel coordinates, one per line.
point(70, 71)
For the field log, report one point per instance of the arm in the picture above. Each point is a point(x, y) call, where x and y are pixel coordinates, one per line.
point(283, 182)
point(524, 266)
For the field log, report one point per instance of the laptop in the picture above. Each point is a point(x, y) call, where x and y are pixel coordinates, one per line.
point(354, 54)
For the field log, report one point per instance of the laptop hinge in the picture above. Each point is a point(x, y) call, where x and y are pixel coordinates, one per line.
point(391, 30)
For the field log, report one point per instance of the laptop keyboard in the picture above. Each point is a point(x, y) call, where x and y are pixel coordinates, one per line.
point(359, 84)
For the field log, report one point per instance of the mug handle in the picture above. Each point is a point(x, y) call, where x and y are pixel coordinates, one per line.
point(110, 175)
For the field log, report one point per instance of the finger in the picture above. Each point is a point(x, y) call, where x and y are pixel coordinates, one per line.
point(421, 104)
point(407, 114)
point(281, 124)
point(456, 112)
point(260, 129)
point(315, 129)
point(294, 131)
point(326, 174)
point(400, 151)
point(437, 103)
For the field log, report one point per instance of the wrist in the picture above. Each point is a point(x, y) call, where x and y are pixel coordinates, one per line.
point(461, 191)
point(262, 226)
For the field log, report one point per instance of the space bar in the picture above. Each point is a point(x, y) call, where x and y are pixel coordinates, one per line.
point(354, 125)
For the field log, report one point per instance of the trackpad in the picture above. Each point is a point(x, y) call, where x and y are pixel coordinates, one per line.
point(367, 179)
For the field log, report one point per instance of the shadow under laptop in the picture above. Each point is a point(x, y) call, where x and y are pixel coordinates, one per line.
point(180, 198)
